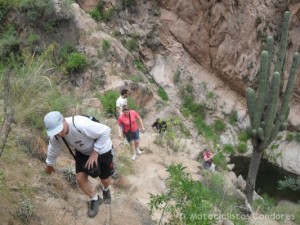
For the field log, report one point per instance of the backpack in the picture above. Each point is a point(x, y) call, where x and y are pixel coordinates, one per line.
point(92, 118)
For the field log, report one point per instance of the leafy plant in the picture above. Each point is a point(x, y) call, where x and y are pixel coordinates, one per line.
point(140, 65)
point(163, 94)
point(219, 126)
point(233, 117)
point(76, 62)
point(184, 199)
point(265, 205)
point(228, 148)
point(289, 183)
point(108, 100)
point(242, 147)
point(105, 45)
point(244, 136)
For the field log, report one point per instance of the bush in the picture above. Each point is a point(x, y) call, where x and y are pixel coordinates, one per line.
point(289, 183)
point(76, 62)
point(219, 126)
point(228, 148)
point(242, 147)
point(108, 100)
point(42, 14)
point(233, 118)
point(163, 94)
point(183, 199)
point(105, 45)
point(244, 137)
point(9, 43)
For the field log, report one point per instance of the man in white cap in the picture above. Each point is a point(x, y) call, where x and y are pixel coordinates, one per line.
point(93, 148)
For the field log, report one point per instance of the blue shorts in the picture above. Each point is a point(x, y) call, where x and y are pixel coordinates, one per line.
point(133, 135)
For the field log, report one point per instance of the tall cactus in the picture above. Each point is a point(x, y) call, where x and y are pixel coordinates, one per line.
point(268, 108)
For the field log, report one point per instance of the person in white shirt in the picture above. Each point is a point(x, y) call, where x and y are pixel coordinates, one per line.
point(121, 101)
point(93, 146)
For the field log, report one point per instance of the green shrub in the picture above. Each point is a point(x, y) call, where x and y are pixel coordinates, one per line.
point(242, 147)
point(65, 51)
point(9, 43)
point(211, 95)
point(289, 137)
point(95, 14)
point(163, 94)
point(107, 15)
point(220, 161)
point(183, 198)
point(76, 62)
point(228, 148)
point(108, 100)
point(219, 126)
point(139, 65)
point(265, 205)
point(233, 117)
point(132, 44)
point(289, 183)
point(43, 14)
point(205, 129)
point(243, 136)
point(105, 45)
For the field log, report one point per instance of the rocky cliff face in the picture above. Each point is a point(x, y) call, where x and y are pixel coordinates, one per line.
point(226, 37)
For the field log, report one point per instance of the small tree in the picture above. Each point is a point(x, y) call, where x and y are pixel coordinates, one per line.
point(268, 109)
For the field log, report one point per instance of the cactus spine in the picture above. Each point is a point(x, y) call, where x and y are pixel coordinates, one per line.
point(268, 109)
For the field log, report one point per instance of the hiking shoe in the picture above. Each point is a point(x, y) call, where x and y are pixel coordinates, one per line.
point(138, 151)
point(133, 157)
point(93, 206)
point(106, 196)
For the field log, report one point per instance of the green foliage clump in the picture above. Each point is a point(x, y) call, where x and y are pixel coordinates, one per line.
point(9, 42)
point(132, 44)
point(163, 94)
point(228, 148)
point(289, 136)
point(244, 136)
point(184, 199)
point(139, 65)
point(42, 14)
point(289, 183)
point(219, 126)
point(242, 147)
point(265, 205)
point(70, 59)
point(108, 100)
point(233, 118)
point(204, 129)
point(106, 45)
point(76, 62)
point(219, 161)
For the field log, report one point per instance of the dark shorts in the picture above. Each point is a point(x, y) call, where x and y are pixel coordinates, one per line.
point(104, 160)
point(133, 135)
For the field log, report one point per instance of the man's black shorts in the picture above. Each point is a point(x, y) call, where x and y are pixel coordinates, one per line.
point(104, 160)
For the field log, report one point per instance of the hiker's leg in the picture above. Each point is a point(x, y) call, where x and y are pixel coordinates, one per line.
point(106, 182)
point(84, 184)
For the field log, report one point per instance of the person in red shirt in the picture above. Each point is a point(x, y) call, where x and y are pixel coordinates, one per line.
point(129, 121)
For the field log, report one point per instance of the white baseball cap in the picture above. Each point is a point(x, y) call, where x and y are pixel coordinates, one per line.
point(54, 123)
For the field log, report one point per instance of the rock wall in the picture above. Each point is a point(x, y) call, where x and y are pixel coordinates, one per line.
point(226, 37)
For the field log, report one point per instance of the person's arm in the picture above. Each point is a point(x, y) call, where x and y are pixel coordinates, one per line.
point(54, 149)
point(141, 122)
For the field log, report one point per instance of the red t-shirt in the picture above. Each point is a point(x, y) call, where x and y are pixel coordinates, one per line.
point(124, 120)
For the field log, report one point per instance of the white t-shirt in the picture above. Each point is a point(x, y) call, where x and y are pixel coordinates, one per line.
point(121, 102)
point(82, 138)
